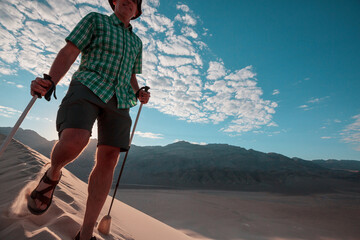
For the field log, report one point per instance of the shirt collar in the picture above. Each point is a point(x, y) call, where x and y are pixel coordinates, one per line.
point(117, 21)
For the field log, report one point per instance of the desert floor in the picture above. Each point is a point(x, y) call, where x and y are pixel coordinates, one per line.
point(225, 215)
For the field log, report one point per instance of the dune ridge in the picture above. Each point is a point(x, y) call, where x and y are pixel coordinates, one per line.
point(19, 173)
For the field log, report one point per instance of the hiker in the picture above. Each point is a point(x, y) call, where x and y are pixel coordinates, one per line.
point(103, 88)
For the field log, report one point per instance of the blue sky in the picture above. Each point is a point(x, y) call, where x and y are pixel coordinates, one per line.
point(274, 76)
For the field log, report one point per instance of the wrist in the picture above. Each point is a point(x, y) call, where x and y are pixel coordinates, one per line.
point(146, 89)
point(137, 94)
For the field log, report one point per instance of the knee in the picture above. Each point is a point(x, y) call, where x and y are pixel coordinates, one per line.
point(107, 157)
point(75, 139)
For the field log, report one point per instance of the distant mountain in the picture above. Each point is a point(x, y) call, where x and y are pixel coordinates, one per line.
point(217, 166)
point(221, 166)
point(339, 164)
point(81, 167)
point(32, 139)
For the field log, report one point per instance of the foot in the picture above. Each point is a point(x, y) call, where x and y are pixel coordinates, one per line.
point(41, 197)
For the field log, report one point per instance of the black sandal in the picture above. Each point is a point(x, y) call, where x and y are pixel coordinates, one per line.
point(40, 195)
point(78, 237)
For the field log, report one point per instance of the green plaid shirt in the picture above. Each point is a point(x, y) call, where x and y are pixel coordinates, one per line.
point(110, 54)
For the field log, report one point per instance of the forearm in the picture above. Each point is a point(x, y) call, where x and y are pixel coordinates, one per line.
point(63, 61)
point(134, 83)
point(143, 95)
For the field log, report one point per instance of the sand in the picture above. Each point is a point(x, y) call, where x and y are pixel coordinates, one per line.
point(175, 214)
point(226, 215)
point(20, 165)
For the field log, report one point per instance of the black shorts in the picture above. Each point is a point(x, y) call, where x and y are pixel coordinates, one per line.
point(81, 107)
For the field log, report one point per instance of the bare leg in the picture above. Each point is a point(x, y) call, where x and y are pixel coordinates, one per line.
point(99, 186)
point(70, 145)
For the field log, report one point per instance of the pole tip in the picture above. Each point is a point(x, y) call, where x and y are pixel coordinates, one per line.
point(104, 225)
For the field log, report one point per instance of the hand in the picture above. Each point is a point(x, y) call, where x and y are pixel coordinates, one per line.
point(144, 96)
point(40, 85)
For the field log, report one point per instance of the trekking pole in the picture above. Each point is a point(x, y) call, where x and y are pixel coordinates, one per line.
point(17, 125)
point(105, 223)
point(25, 112)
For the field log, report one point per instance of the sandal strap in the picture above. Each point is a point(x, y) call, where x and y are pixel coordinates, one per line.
point(45, 190)
point(47, 180)
point(40, 194)
point(43, 199)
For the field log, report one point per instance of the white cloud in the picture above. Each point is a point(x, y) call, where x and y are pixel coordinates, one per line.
point(173, 61)
point(199, 143)
point(28, 43)
point(175, 47)
point(189, 32)
point(8, 112)
point(276, 92)
point(8, 51)
point(168, 61)
point(317, 100)
point(183, 7)
point(186, 19)
point(155, 21)
point(7, 71)
point(149, 135)
point(351, 133)
point(237, 98)
point(188, 70)
point(8, 13)
point(13, 84)
point(216, 70)
point(155, 3)
point(272, 124)
point(306, 107)
point(33, 118)
point(242, 74)
point(312, 103)
point(196, 143)
point(326, 137)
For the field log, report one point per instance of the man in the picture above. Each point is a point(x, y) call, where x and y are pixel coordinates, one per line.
point(103, 88)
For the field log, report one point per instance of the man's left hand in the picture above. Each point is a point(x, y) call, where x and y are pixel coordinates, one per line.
point(144, 96)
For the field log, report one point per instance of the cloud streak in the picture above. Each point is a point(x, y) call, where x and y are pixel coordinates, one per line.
point(8, 112)
point(312, 103)
point(13, 84)
point(276, 92)
point(149, 135)
point(351, 133)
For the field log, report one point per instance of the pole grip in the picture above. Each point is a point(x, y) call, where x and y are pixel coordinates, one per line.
point(146, 88)
point(51, 90)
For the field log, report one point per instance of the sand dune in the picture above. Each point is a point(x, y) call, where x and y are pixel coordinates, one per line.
point(18, 169)
point(219, 215)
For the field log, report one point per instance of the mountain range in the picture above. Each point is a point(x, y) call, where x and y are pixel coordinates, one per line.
point(183, 165)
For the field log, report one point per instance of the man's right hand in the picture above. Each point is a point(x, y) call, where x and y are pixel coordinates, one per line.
point(40, 85)
point(62, 63)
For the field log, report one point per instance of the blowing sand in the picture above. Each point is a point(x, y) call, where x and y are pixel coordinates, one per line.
point(18, 167)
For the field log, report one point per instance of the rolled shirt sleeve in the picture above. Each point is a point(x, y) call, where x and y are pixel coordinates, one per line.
point(82, 33)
